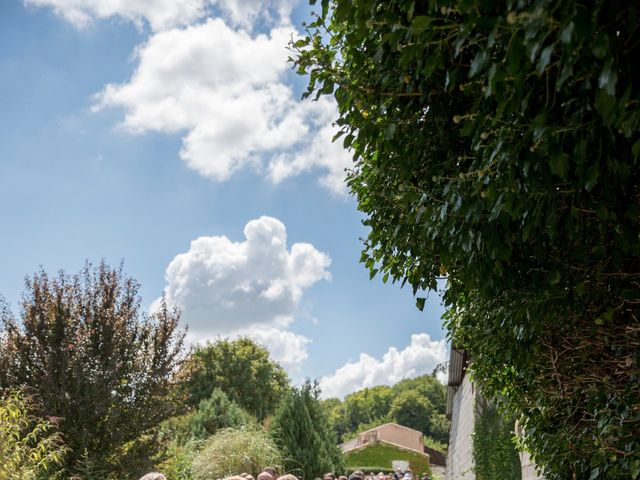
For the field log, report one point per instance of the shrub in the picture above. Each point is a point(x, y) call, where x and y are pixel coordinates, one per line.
point(29, 447)
point(215, 413)
point(232, 451)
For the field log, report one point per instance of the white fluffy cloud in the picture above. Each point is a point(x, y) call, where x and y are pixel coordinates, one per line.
point(165, 14)
point(220, 84)
point(160, 14)
point(225, 90)
point(252, 287)
point(420, 357)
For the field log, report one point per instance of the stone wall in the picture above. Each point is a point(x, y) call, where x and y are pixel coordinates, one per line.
point(460, 456)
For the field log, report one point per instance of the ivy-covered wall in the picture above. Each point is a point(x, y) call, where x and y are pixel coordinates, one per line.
point(494, 451)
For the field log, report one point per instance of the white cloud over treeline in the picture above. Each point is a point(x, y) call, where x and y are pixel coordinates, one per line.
point(251, 287)
point(421, 356)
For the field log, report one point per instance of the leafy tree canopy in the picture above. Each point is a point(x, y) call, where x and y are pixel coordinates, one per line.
point(98, 364)
point(497, 144)
point(240, 368)
point(412, 410)
point(371, 407)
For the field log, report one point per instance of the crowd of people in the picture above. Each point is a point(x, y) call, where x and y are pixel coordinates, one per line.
point(270, 473)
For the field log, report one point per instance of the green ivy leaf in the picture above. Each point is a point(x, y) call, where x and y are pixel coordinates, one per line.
point(600, 46)
point(591, 178)
point(559, 164)
point(545, 58)
point(608, 78)
point(478, 62)
point(420, 24)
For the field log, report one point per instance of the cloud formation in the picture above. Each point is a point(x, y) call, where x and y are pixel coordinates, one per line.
point(252, 287)
point(223, 84)
point(419, 357)
point(166, 14)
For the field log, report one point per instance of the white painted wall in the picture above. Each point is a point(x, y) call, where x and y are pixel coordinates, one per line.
point(460, 456)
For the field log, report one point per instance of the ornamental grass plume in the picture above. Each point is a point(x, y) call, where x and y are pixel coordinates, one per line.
point(247, 449)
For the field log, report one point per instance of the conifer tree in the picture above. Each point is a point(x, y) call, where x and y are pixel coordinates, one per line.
point(302, 432)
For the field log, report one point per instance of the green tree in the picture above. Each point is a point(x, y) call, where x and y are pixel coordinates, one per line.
point(30, 447)
point(98, 364)
point(301, 430)
point(215, 413)
point(497, 144)
point(240, 368)
point(367, 406)
point(370, 407)
point(429, 387)
point(412, 410)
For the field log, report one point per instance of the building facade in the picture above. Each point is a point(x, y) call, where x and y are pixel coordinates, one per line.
point(462, 398)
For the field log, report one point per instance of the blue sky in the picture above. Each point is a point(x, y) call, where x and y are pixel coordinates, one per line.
point(129, 132)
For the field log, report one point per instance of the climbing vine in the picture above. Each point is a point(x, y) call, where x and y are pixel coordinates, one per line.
point(497, 144)
point(495, 454)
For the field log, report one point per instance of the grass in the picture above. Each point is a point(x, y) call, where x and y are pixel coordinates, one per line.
point(436, 445)
point(382, 455)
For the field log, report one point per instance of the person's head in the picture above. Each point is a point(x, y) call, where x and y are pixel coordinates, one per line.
point(329, 476)
point(356, 476)
point(266, 476)
point(271, 471)
point(288, 477)
point(343, 477)
point(154, 476)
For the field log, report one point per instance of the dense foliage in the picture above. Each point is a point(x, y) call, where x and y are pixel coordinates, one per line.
point(240, 368)
point(495, 454)
point(418, 403)
point(30, 448)
point(215, 413)
point(302, 432)
point(497, 144)
point(234, 451)
point(96, 363)
point(412, 410)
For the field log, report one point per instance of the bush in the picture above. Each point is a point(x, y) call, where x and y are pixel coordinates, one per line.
point(232, 451)
point(215, 413)
point(178, 462)
point(29, 447)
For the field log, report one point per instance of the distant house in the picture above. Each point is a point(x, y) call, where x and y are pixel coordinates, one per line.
point(391, 433)
point(406, 442)
point(462, 398)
